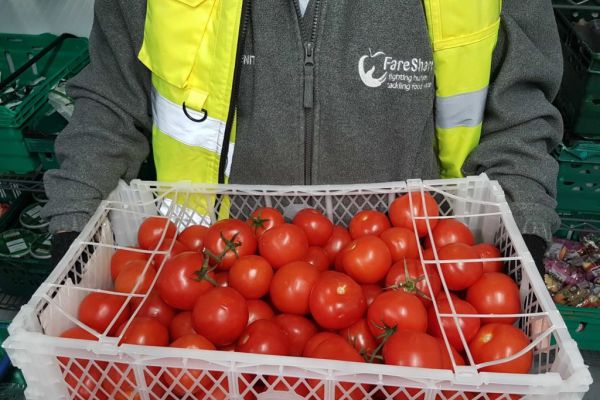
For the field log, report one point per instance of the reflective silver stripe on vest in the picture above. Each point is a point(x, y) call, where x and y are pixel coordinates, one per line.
point(461, 110)
point(172, 121)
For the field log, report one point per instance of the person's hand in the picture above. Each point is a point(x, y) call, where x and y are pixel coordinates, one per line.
point(537, 247)
point(61, 241)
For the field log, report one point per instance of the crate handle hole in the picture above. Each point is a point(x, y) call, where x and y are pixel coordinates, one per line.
point(581, 327)
point(568, 183)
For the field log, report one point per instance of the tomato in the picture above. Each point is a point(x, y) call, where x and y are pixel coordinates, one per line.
point(336, 301)
point(181, 325)
point(298, 329)
point(401, 216)
point(359, 336)
point(121, 257)
point(371, 292)
point(155, 307)
point(442, 296)
point(222, 278)
point(495, 293)
point(171, 248)
point(461, 273)
point(396, 309)
point(183, 278)
point(401, 242)
point(291, 287)
point(220, 315)
point(486, 250)
point(315, 341)
point(367, 259)
point(412, 349)
point(339, 239)
point(229, 239)
point(449, 231)
point(264, 218)
point(283, 244)
point(498, 341)
point(428, 254)
point(189, 380)
point(99, 310)
point(317, 257)
point(121, 383)
point(368, 222)
point(408, 276)
point(84, 386)
point(318, 227)
point(338, 265)
point(251, 276)
point(144, 331)
point(288, 384)
point(258, 309)
point(264, 337)
point(446, 360)
point(133, 275)
point(152, 230)
point(468, 325)
point(192, 237)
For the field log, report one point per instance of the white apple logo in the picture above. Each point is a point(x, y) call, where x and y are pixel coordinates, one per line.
point(367, 77)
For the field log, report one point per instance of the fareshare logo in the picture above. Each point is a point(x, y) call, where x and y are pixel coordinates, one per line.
point(367, 76)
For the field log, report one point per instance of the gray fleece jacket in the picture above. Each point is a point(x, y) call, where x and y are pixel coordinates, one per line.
point(352, 133)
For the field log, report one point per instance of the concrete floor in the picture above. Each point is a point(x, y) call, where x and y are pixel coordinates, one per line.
point(592, 358)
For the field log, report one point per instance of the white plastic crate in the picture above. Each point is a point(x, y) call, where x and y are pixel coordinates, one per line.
point(558, 371)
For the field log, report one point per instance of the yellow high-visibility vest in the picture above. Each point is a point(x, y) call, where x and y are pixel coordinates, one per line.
point(194, 81)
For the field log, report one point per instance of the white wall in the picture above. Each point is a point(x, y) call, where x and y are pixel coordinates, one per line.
point(40, 16)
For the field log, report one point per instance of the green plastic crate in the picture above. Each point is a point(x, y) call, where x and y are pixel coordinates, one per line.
point(578, 185)
point(579, 96)
point(22, 276)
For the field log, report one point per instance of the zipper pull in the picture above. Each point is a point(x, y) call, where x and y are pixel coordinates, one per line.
point(309, 74)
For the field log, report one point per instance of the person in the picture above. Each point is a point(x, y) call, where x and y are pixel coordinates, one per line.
point(321, 92)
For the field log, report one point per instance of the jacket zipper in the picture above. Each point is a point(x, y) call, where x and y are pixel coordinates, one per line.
point(246, 11)
point(309, 83)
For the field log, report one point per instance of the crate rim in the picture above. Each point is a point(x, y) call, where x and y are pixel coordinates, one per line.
point(23, 333)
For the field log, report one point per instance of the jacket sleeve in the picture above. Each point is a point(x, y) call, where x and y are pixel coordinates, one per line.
point(107, 137)
point(521, 127)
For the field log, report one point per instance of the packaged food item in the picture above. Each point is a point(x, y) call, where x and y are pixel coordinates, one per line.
point(31, 218)
point(16, 243)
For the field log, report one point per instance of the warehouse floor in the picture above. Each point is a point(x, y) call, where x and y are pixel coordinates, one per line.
point(592, 358)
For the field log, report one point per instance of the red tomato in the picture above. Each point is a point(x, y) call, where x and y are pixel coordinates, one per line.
point(220, 315)
point(121, 383)
point(408, 276)
point(264, 337)
point(412, 349)
point(338, 265)
point(317, 257)
point(171, 247)
point(99, 310)
point(315, 341)
point(229, 239)
point(288, 384)
point(181, 325)
point(192, 237)
point(371, 292)
point(251, 276)
point(368, 222)
point(401, 216)
point(336, 301)
point(396, 309)
point(339, 239)
point(359, 336)
point(263, 219)
point(222, 278)
point(152, 229)
point(449, 231)
point(318, 227)
point(298, 329)
point(401, 242)
point(183, 278)
point(133, 274)
point(428, 254)
point(446, 360)
point(291, 286)
point(83, 384)
point(121, 257)
point(498, 341)
point(367, 259)
point(486, 250)
point(155, 307)
point(468, 325)
point(190, 381)
point(144, 332)
point(283, 244)
point(258, 309)
point(460, 274)
point(495, 293)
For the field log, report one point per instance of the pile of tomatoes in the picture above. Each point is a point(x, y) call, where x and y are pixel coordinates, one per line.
point(313, 289)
